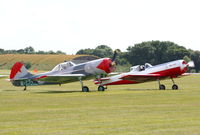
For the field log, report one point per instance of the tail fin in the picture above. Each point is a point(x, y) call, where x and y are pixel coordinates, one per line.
point(19, 71)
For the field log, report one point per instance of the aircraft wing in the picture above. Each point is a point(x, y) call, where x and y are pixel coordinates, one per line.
point(67, 75)
point(59, 78)
point(142, 77)
point(53, 78)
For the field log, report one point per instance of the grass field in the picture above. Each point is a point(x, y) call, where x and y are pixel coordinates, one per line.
point(138, 109)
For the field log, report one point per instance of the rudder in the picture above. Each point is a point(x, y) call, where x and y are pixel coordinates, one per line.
point(19, 71)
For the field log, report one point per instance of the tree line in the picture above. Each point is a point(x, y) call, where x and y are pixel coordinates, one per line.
point(29, 50)
point(154, 52)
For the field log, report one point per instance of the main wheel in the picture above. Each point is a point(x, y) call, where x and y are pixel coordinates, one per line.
point(174, 87)
point(85, 89)
point(101, 88)
point(162, 87)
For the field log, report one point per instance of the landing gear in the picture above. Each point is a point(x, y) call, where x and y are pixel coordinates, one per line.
point(161, 86)
point(25, 88)
point(101, 88)
point(174, 86)
point(84, 88)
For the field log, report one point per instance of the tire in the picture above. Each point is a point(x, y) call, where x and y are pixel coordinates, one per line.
point(162, 87)
point(174, 87)
point(101, 88)
point(85, 89)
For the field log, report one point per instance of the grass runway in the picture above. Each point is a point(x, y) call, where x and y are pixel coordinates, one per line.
point(139, 109)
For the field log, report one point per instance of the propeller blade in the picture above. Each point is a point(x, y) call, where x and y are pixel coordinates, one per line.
point(115, 54)
point(191, 64)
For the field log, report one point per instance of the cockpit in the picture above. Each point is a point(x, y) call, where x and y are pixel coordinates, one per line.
point(63, 66)
point(140, 67)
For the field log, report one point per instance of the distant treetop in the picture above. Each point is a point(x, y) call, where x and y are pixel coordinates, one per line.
point(29, 50)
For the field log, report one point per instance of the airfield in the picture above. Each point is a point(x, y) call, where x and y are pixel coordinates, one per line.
point(139, 109)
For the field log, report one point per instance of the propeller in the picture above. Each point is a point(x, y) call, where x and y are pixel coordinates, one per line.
point(108, 64)
point(115, 54)
point(191, 64)
point(113, 64)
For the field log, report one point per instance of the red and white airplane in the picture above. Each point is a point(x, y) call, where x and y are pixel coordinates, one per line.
point(147, 72)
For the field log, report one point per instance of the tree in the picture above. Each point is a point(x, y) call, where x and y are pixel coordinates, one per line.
point(87, 51)
point(195, 56)
point(20, 51)
point(29, 50)
point(100, 51)
point(155, 52)
point(1, 51)
point(41, 52)
point(59, 52)
point(51, 52)
point(103, 51)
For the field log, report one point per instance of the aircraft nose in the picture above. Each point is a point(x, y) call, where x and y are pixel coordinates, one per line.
point(106, 65)
point(184, 67)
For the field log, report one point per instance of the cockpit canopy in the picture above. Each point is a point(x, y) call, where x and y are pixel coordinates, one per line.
point(147, 65)
point(63, 66)
point(140, 67)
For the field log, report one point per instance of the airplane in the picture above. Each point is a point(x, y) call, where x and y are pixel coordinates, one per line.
point(146, 73)
point(65, 72)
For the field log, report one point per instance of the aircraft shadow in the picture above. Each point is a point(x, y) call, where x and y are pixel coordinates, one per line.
point(56, 91)
point(145, 89)
point(8, 90)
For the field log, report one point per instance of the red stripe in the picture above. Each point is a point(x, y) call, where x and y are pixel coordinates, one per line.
point(40, 77)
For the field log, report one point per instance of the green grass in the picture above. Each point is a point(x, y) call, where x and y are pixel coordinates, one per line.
point(138, 109)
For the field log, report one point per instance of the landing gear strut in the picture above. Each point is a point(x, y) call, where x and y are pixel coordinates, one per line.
point(84, 88)
point(174, 86)
point(161, 86)
point(24, 87)
point(101, 87)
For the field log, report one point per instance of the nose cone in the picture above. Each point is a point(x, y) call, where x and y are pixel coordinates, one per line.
point(184, 67)
point(106, 65)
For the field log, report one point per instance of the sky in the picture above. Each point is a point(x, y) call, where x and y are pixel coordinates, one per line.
point(71, 25)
